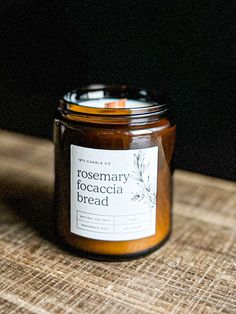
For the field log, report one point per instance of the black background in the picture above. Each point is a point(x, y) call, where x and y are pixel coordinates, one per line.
point(48, 47)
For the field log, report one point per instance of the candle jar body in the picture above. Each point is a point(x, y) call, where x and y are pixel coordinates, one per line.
point(123, 162)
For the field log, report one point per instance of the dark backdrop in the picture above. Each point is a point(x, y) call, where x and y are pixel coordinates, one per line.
point(48, 47)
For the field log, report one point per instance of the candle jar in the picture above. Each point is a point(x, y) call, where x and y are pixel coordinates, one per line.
point(113, 178)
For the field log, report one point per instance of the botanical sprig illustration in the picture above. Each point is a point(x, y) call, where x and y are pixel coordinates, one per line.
point(146, 192)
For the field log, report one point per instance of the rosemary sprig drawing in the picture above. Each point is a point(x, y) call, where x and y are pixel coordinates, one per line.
point(146, 192)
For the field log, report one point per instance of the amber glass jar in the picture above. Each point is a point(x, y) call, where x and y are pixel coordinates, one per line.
point(113, 190)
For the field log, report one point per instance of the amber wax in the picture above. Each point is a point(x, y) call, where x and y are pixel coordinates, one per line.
point(113, 190)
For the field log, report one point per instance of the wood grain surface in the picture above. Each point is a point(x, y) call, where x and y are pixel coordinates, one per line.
point(195, 272)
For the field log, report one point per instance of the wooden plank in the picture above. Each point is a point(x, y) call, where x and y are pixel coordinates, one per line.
point(195, 272)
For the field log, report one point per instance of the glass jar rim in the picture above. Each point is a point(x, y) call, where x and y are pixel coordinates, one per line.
point(155, 102)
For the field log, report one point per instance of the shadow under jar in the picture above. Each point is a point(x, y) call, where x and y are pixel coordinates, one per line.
point(113, 187)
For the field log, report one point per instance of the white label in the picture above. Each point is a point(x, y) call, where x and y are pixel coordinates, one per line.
point(113, 193)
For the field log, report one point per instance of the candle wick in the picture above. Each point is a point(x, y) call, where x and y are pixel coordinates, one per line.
point(121, 103)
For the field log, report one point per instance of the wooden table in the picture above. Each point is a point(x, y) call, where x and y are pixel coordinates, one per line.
point(195, 272)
